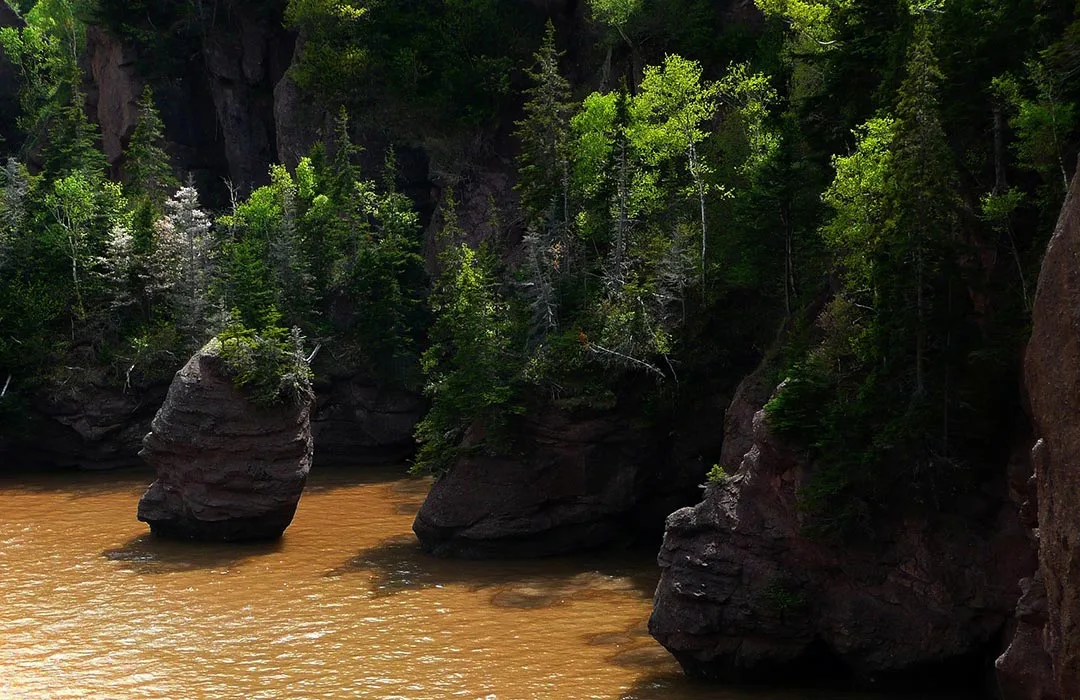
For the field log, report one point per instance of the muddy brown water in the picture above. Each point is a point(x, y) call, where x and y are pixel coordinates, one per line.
point(344, 606)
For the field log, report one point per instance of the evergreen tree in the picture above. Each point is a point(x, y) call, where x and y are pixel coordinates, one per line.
point(146, 164)
point(544, 183)
point(72, 142)
point(342, 171)
point(544, 161)
point(470, 365)
point(923, 206)
point(180, 265)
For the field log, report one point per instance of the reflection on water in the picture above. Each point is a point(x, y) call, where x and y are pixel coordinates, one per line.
point(345, 605)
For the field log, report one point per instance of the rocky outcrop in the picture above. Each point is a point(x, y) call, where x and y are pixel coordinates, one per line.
point(744, 593)
point(95, 428)
point(84, 419)
point(576, 483)
point(218, 106)
point(1043, 660)
point(226, 469)
point(95, 424)
point(297, 118)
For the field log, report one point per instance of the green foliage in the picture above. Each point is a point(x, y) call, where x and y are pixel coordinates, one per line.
point(784, 597)
point(717, 475)
point(46, 53)
point(471, 365)
point(905, 160)
point(814, 19)
point(614, 12)
point(881, 398)
point(1042, 122)
point(71, 141)
point(146, 164)
point(268, 363)
point(382, 277)
point(543, 164)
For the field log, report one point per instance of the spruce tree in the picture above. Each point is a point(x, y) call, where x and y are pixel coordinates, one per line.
point(343, 173)
point(72, 142)
point(544, 182)
point(922, 200)
point(543, 165)
point(146, 163)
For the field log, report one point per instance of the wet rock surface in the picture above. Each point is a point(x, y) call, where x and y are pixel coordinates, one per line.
point(1043, 660)
point(226, 469)
point(744, 594)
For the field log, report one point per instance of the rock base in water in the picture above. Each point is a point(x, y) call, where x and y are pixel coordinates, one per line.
point(745, 595)
point(227, 470)
point(576, 485)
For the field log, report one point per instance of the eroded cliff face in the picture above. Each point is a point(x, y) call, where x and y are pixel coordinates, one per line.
point(115, 89)
point(219, 109)
point(745, 594)
point(246, 56)
point(1043, 661)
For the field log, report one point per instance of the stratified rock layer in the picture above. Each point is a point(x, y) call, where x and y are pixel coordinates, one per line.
point(226, 469)
point(1043, 661)
point(744, 595)
point(577, 484)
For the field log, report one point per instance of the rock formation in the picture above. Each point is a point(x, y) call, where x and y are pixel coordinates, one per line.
point(744, 593)
point(1043, 660)
point(226, 469)
point(85, 420)
point(576, 484)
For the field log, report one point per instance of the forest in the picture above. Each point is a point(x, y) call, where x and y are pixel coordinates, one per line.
point(858, 192)
point(584, 264)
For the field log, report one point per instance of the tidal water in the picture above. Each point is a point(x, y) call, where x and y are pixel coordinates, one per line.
point(344, 606)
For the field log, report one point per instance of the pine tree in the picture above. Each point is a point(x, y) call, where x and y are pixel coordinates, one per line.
point(72, 142)
point(923, 206)
point(343, 173)
point(146, 164)
point(544, 182)
point(544, 162)
point(470, 364)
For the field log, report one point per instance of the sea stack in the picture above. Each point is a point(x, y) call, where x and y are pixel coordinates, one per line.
point(227, 469)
